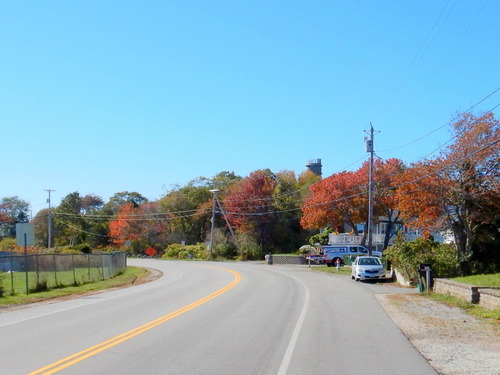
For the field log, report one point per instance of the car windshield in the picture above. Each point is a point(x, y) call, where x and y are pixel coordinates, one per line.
point(369, 261)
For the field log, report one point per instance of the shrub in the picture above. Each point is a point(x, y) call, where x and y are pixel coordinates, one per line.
point(321, 238)
point(248, 247)
point(406, 256)
point(8, 244)
point(223, 246)
point(307, 249)
point(178, 251)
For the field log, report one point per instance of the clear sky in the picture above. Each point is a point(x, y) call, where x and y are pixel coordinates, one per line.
point(107, 96)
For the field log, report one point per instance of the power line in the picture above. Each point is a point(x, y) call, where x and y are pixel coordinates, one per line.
point(445, 167)
point(446, 124)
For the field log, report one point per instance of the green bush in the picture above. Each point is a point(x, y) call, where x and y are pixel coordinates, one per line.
point(248, 247)
point(178, 251)
point(8, 244)
point(406, 256)
point(68, 249)
point(321, 238)
point(223, 246)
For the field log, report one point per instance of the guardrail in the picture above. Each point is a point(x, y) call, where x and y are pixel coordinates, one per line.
point(36, 272)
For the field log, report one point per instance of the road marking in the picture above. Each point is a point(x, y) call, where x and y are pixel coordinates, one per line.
point(83, 302)
point(93, 350)
point(285, 362)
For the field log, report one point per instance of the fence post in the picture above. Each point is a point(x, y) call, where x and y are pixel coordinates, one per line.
point(55, 268)
point(12, 291)
point(37, 270)
point(88, 265)
point(102, 266)
point(26, 261)
point(73, 266)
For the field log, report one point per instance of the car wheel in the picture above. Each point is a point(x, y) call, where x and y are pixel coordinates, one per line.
point(352, 277)
point(328, 264)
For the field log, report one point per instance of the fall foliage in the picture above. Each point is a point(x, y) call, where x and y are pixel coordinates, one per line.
point(459, 190)
point(249, 201)
point(342, 198)
point(336, 200)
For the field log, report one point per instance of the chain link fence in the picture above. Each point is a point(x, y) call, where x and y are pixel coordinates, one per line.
point(37, 272)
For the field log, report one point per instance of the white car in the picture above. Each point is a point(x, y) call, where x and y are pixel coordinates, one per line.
point(367, 268)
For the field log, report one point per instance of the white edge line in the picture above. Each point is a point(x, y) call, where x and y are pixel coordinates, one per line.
point(80, 299)
point(298, 326)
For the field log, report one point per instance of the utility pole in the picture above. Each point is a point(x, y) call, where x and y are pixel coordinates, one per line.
point(49, 240)
point(369, 148)
point(218, 204)
point(227, 222)
point(214, 191)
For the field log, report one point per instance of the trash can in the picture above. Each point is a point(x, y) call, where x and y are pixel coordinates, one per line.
point(269, 258)
point(425, 276)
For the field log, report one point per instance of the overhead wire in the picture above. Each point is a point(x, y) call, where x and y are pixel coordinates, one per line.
point(445, 124)
point(431, 35)
point(312, 205)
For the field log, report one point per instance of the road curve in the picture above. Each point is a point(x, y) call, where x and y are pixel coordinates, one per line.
point(213, 318)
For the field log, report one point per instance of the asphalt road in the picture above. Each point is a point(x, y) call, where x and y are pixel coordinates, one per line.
point(213, 318)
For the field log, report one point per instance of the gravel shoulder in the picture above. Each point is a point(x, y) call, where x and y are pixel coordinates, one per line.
point(454, 342)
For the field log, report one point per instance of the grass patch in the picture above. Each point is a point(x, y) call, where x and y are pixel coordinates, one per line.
point(128, 277)
point(15, 282)
point(480, 280)
point(470, 308)
point(345, 270)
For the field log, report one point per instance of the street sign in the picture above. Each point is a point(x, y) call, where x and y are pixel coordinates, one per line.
point(25, 234)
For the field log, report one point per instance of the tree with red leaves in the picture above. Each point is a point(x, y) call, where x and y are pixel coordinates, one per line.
point(249, 202)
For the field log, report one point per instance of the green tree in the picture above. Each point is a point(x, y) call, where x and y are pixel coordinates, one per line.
point(69, 223)
point(120, 199)
point(287, 199)
point(41, 224)
point(223, 180)
point(96, 219)
point(182, 205)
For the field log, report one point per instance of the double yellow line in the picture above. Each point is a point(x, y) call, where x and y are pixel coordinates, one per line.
point(80, 356)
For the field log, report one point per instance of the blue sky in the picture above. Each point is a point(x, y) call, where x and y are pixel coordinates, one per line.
point(107, 96)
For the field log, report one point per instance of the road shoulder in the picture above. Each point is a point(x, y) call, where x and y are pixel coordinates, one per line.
point(454, 342)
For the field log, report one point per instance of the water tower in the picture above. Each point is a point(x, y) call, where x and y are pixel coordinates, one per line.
point(314, 166)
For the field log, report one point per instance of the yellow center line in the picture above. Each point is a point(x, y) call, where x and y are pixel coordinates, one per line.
point(93, 350)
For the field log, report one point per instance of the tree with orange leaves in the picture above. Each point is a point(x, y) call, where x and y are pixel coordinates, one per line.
point(123, 229)
point(342, 198)
point(143, 226)
point(336, 200)
point(386, 180)
point(459, 190)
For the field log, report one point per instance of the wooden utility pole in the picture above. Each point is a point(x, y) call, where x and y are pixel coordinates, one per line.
point(369, 148)
point(49, 218)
